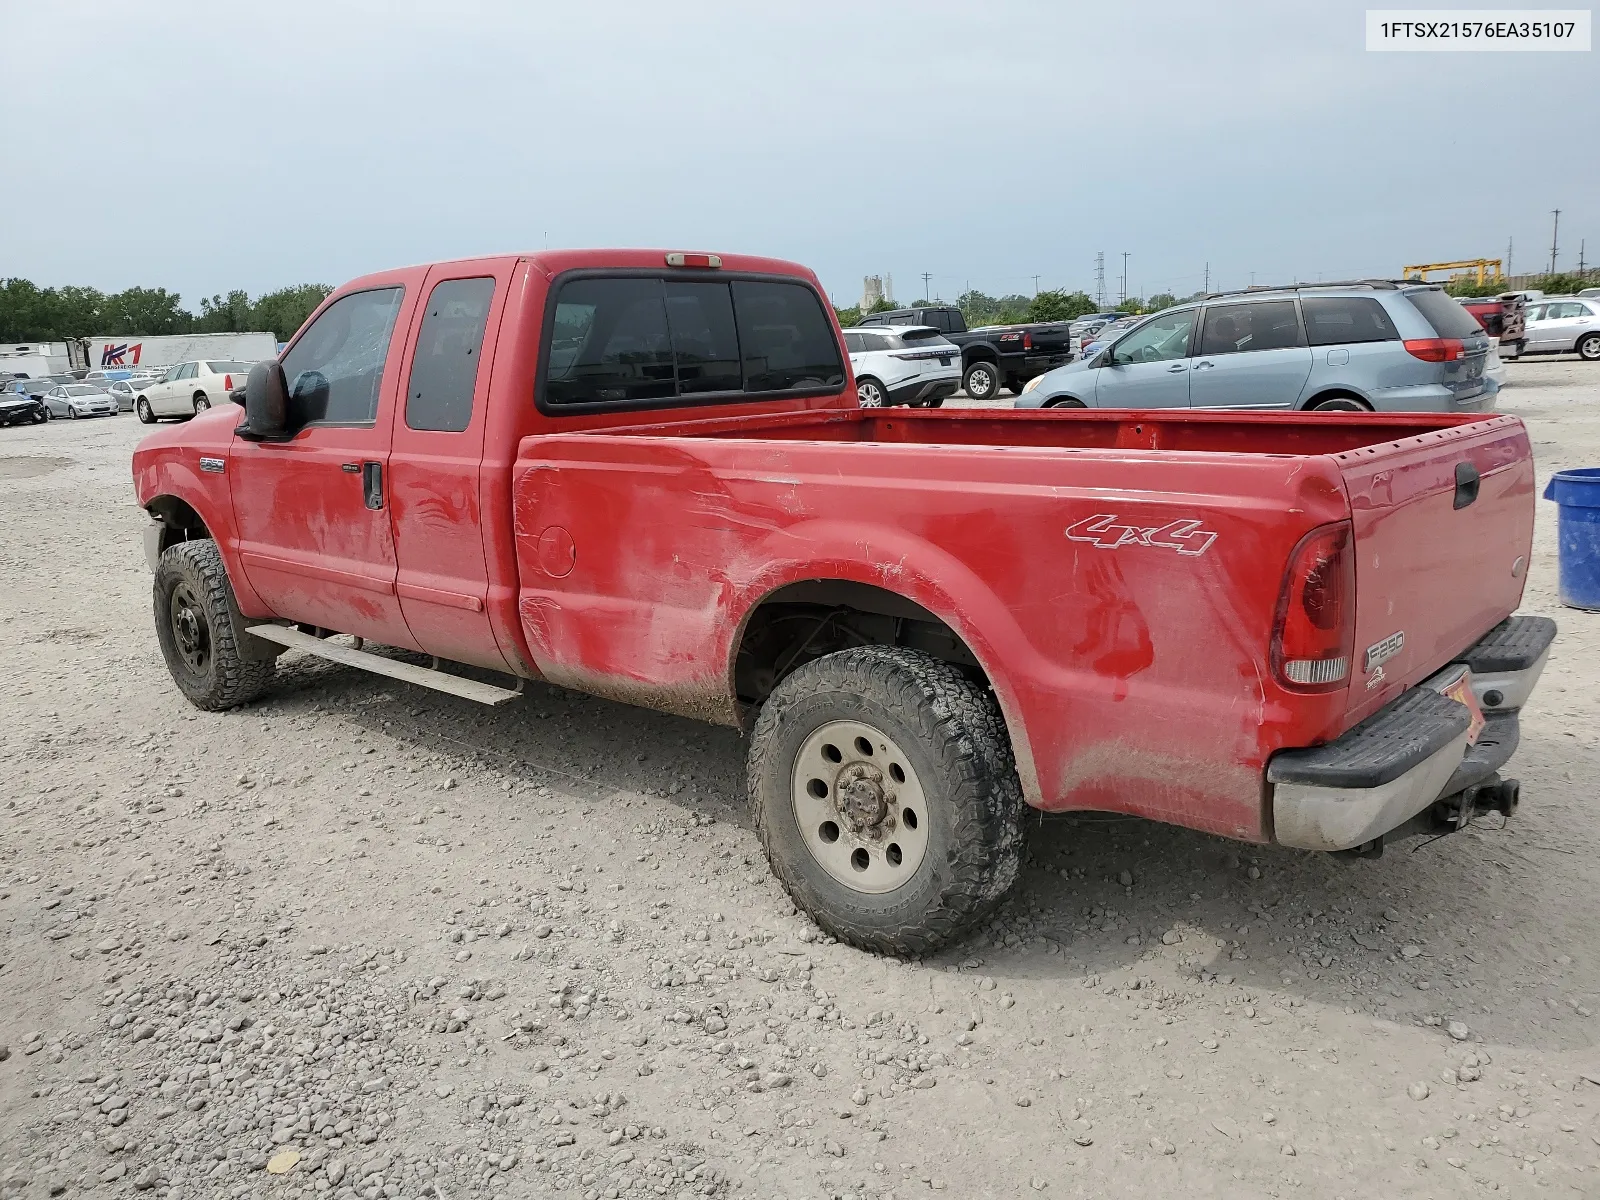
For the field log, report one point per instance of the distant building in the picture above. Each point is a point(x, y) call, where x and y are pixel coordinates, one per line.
point(875, 288)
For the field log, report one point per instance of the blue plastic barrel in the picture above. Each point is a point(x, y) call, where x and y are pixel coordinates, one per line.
point(1577, 495)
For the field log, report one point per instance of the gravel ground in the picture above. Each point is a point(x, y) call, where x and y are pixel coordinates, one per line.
point(365, 940)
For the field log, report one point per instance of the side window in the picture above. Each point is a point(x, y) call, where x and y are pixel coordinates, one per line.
point(334, 370)
point(1534, 312)
point(1239, 328)
point(852, 342)
point(704, 339)
point(786, 341)
point(444, 367)
point(1570, 309)
point(1159, 339)
point(1331, 321)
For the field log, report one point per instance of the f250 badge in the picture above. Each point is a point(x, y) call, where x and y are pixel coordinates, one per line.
point(1103, 530)
point(1381, 652)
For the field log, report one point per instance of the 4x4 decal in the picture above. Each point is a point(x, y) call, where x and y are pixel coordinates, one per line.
point(1103, 530)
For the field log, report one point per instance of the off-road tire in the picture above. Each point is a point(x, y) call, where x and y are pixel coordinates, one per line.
point(235, 672)
point(981, 380)
point(953, 734)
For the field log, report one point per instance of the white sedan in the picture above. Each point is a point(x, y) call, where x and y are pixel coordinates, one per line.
point(188, 388)
point(79, 400)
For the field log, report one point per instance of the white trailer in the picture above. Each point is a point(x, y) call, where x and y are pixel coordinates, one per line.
point(34, 360)
point(110, 353)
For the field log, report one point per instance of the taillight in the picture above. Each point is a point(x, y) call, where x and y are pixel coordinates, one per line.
point(1436, 349)
point(679, 258)
point(227, 383)
point(1027, 341)
point(1313, 638)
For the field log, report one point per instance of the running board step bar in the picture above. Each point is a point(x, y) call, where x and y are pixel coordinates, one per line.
point(349, 656)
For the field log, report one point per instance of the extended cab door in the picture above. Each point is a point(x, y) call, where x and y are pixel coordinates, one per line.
point(314, 534)
point(1251, 355)
point(1149, 365)
point(436, 459)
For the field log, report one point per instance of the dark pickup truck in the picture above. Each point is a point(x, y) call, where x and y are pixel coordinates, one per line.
point(994, 354)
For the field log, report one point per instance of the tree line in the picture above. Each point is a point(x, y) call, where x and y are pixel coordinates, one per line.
point(29, 313)
point(978, 308)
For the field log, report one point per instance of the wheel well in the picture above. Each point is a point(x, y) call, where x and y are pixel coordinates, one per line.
point(179, 521)
point(804, 621)
point(981, 355)
point(1065, 402)
point(1335, 394)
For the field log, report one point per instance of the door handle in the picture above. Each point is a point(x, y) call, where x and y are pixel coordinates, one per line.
point(372, 484)
point(1175, 368)
point(1204, 366)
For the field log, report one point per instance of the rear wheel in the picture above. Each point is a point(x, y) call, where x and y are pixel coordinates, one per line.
point(200, 403)
point(1015, 382)
point(871, 394)
point(1589, 347)
point(201, 632)
point(146, 415)
point(982, 381)
point(1340, 404)
point(886, 795)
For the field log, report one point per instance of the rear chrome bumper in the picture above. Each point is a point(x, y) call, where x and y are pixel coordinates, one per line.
point(1412, 753)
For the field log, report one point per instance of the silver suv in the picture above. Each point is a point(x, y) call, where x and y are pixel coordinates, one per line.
point(1369, 344)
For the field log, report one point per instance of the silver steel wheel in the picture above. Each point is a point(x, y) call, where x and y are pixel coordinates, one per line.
point(869, 394)
point(859, 806)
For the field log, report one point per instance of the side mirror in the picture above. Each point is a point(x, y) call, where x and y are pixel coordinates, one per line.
point(266, 404)
point(1102, 358)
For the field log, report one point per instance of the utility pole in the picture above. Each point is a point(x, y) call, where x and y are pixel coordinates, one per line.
point(1035, 285)
point(1582, 242)
point(1554, 229)
point(1100, 280)
point(1252, 279)
point(1508, 255)
point(1124, 299)
point(926, 275)
point(1208, 278)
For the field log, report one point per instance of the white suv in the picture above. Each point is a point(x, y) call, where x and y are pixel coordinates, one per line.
point(903, 364)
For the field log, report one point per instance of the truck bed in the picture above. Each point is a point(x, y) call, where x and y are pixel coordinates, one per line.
point(1116, 574)
point(1293, 433)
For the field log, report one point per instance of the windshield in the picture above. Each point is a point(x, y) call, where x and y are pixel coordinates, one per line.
point(230, 368)
point(82, 390)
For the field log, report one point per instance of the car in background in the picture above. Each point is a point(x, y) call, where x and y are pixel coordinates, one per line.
point(25, 386)
point(1589, 293)
point(1082, 329)
point(79, 400)
point(914, 365)
point(992, 356)
point(1362, 345)
point(1563, 325)
point(103, 378)
point(1106, 332)
point(124, 392)
point(189, 388)
point(1503, 318)
point(19, 408)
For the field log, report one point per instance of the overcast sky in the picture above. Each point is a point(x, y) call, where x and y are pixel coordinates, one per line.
point(205, 146)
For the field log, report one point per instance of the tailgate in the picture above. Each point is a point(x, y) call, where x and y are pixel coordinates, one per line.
point(1443, 531)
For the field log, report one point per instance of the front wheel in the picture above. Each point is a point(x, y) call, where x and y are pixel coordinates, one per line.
point(202, 633)
point(886, 796)
point(1589, 347)
point(871, 394)
point(982, 381)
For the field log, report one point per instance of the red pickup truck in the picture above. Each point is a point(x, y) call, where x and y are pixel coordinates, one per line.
point(645, 475)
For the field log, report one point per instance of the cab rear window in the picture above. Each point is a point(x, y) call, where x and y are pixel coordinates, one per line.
point(652, 340)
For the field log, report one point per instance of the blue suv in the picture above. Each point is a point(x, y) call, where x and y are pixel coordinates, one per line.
point(1373, 344)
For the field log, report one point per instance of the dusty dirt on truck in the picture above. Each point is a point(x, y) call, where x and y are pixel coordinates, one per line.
point(364, 940)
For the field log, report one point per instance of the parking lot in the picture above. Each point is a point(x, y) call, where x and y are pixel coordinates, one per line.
point(435, 952)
